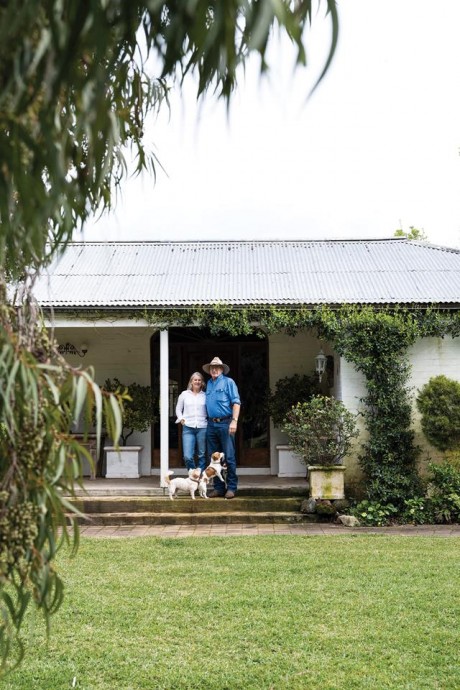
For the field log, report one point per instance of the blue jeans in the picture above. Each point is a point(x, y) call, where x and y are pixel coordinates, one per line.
point(219, 440)
point(194, 443)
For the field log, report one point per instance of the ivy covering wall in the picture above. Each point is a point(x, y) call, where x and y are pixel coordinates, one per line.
point(374, 339)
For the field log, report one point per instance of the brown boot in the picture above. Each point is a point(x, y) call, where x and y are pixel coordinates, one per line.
point(216, 494)
point(230, 494)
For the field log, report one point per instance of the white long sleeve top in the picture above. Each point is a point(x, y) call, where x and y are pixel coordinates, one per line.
point(192, 408)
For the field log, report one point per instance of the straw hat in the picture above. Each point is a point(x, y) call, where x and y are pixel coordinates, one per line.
point(216, 362)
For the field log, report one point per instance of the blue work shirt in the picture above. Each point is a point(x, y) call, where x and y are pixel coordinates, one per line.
point(221, 395)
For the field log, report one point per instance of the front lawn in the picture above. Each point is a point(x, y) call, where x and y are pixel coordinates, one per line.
point(329, 613)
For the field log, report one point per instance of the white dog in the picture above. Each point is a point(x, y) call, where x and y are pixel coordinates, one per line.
point(188, 484)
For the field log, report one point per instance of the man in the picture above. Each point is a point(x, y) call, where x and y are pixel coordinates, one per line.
point(223, 409)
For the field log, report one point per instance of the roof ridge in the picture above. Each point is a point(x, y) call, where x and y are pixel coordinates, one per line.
point(253, 241)
point(260, 242)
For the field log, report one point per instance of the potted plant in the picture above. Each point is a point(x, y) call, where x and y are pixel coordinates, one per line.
point(320, 432)
point(138, 414)
point(288, 392)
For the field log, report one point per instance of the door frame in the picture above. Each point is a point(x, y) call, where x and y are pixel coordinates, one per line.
point(189, 349)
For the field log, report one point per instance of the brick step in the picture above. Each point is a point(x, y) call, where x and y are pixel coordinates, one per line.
point(183, 504)
point(198, 518)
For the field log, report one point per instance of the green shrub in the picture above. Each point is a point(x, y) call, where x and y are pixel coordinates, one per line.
point(375, 514)
point(441, 504)
point(138, 411)
point(443, 492)
point(320, 431)
point(417, 511)
point(439, 404)
point(452, 457)
point(393, 482)
point(288, 392)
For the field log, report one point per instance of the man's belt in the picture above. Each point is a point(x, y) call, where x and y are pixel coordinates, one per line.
point(219, 419)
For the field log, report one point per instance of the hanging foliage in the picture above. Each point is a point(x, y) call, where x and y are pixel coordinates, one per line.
point(77, 82)
point(41, 399)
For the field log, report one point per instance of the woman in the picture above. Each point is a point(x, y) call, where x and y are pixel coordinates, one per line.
point(191, 413)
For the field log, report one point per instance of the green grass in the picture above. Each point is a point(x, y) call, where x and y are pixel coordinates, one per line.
point(252, 612)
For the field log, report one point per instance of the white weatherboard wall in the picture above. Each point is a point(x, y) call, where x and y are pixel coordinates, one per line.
point(353, 389)
point(115, 352)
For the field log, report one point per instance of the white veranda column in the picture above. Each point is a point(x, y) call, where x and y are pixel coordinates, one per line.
point(164, 404)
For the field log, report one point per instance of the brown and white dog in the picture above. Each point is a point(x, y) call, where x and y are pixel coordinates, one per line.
point(188, 484)
point(203, 486)
point(214, 469)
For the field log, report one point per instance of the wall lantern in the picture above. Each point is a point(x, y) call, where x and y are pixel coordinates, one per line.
point(69, 349)
point(320, 362)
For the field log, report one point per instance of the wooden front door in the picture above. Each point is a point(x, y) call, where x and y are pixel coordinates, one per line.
point(247, 358)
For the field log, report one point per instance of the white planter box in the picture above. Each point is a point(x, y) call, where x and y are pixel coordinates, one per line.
point(289, 464)
point(123, 462)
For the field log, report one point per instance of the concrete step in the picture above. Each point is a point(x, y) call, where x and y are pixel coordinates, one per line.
point(197, 518)
point(160, 510)
point(183, 504)
point(100, 488)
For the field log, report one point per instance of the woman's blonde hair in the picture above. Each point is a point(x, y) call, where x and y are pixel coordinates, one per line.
point(203, 384)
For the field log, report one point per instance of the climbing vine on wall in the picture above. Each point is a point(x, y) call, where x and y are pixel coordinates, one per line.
point(375, 340)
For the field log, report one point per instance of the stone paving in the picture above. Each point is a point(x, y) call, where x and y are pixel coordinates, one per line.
point(244, 530)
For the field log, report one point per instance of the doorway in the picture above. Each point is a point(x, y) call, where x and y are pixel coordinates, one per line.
point(247, 357)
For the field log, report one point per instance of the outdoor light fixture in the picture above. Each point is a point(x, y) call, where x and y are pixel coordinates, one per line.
point(320, 361)
point(69, 349)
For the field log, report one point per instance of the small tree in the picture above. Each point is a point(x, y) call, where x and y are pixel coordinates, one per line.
point(439, 404)
point(288, 392)
point(320, 431)
point(138, 407)
point(412, 234)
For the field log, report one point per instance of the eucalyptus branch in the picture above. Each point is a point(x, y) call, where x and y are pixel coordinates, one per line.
point(40, 462)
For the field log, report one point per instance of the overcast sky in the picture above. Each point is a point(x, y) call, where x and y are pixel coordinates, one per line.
point(375, 148)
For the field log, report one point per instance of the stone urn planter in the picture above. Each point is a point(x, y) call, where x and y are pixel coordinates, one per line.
point(321, 431)
point(123, 462)
point(327, 482)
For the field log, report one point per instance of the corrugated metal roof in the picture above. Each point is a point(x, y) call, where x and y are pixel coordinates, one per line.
point(169, 274)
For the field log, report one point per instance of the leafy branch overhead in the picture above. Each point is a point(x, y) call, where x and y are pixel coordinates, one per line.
point(78, 80)
point(41, 398)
